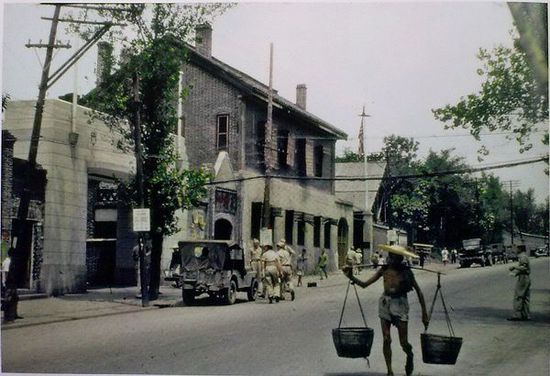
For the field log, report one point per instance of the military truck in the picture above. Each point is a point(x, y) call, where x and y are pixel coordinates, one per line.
point(216, 268)
point(472, 252)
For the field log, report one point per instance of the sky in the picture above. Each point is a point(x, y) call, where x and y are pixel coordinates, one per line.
point(398, 59)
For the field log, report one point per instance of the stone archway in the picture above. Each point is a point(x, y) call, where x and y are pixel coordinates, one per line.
point(343, 231)
point(223, 229)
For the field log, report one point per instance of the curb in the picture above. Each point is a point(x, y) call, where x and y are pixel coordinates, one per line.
point(25, 325)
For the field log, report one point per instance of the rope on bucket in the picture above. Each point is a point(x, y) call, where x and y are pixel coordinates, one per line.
point(358, 301)
point(447, 317)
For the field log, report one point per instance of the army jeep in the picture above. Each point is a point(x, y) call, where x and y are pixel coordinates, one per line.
point(216, 268)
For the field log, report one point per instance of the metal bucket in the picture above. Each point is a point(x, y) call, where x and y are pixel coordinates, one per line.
point(438, 349)
point(353, 342)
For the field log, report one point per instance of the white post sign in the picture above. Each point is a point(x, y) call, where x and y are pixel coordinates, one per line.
point(141, 220)
point(266, 236)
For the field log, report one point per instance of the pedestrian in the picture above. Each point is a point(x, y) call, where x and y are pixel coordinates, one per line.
point(322, 264)
point(374, 259)
point(523, 286)
point(393, 306)
point(358, 259)
point(422, 258)
point(255, 256)
point(289, 250)
point(286, 271)
point(11, 298)
point(272, 270)
point(454, 256)
point(350, 258)
point(445, 256)
point(301, 267)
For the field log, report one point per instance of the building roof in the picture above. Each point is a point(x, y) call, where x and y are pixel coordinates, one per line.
point(258, 90)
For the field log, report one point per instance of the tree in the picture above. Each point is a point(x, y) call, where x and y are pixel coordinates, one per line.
point(156, 53)
point(510, 100)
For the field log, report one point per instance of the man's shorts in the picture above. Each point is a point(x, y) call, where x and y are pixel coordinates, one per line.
point(393, 309)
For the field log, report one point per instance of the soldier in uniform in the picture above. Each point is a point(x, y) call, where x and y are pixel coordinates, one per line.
point(393, 306)
point(255, 256)
point(272, 269)
point(523, 286)
point(286, 266)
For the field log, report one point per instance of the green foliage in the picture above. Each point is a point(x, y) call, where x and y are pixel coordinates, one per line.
point(153, 47)
point(509, 100)
point(5, 100)
point(350, 156)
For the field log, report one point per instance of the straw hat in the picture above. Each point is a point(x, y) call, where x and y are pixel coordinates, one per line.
point(397, 250)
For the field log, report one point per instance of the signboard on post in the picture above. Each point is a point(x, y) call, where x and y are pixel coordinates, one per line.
point(266, 236)
point(141, 220)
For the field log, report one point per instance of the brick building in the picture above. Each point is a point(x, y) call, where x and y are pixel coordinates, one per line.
point(226, 112)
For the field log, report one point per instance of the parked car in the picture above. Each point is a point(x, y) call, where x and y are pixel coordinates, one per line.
point(216, 268)
point(541, 251)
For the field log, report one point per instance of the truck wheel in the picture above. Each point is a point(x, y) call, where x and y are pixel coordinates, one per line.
point(252, 291)
point(188, 297)
point(230, 295)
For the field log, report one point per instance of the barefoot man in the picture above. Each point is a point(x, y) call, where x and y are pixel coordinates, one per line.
point(393, 305)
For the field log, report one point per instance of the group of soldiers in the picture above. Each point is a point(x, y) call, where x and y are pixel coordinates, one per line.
point(273, 269)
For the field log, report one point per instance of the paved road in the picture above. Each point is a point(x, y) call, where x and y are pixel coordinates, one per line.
point(293, 338)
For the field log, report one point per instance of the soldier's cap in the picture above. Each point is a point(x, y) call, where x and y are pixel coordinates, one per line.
point(268, 246)
point(255, 241)
point(280, 245)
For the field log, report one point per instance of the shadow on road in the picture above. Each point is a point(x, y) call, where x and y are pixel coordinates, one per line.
point(355, 374)
point(490, 315)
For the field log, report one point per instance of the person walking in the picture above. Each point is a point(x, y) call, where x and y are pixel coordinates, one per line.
point(374, 259)
point(523, 286)
point(11, 297)
point(393, 306)
point(272, 269)
point(286, 268)
point(322, 264)
point(445, 256)
point(255, 257)
point(301, 267)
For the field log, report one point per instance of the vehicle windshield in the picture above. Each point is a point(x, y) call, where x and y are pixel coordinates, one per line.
point(198, 256)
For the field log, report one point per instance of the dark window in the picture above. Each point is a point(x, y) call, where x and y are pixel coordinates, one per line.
point(327, 234)
point(182, 126)
point(289, 226)
point(301, 156)
point(260, 143)
point(282, 148)
point(222, 131)
point(316, 231)
point(318, 157)
point(301, 232)
point(256, 220)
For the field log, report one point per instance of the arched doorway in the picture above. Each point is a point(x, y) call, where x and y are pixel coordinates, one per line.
point(223, 229)
point(343, 246)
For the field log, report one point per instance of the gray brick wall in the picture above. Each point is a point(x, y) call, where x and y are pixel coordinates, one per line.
point(208, 97)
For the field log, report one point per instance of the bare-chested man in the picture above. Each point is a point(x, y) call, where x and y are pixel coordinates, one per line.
point(393, 304)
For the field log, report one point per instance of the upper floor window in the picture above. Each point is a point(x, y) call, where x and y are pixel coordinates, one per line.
point(301, 156)
point(318, 157)
point(282, 147)
point(222, 131)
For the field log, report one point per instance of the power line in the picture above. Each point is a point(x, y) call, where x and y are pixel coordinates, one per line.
point(396, 177)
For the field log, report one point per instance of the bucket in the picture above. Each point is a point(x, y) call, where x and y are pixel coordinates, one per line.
point(438, 349)
point(353, 342)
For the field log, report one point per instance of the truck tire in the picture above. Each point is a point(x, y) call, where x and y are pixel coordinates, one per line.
point(252, 291)
point(230, 295)
point(188, 297)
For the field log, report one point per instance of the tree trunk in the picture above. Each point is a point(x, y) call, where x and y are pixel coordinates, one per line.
point(155, 271)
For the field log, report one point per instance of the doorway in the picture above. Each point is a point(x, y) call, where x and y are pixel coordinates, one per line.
point(223, 229)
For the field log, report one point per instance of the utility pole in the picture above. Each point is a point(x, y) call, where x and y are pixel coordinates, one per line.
point(512, 184)
point(363, 148)
point(144, 270)
point(268, 145)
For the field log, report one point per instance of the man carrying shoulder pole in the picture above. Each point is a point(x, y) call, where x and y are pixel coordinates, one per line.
point(393, 304)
